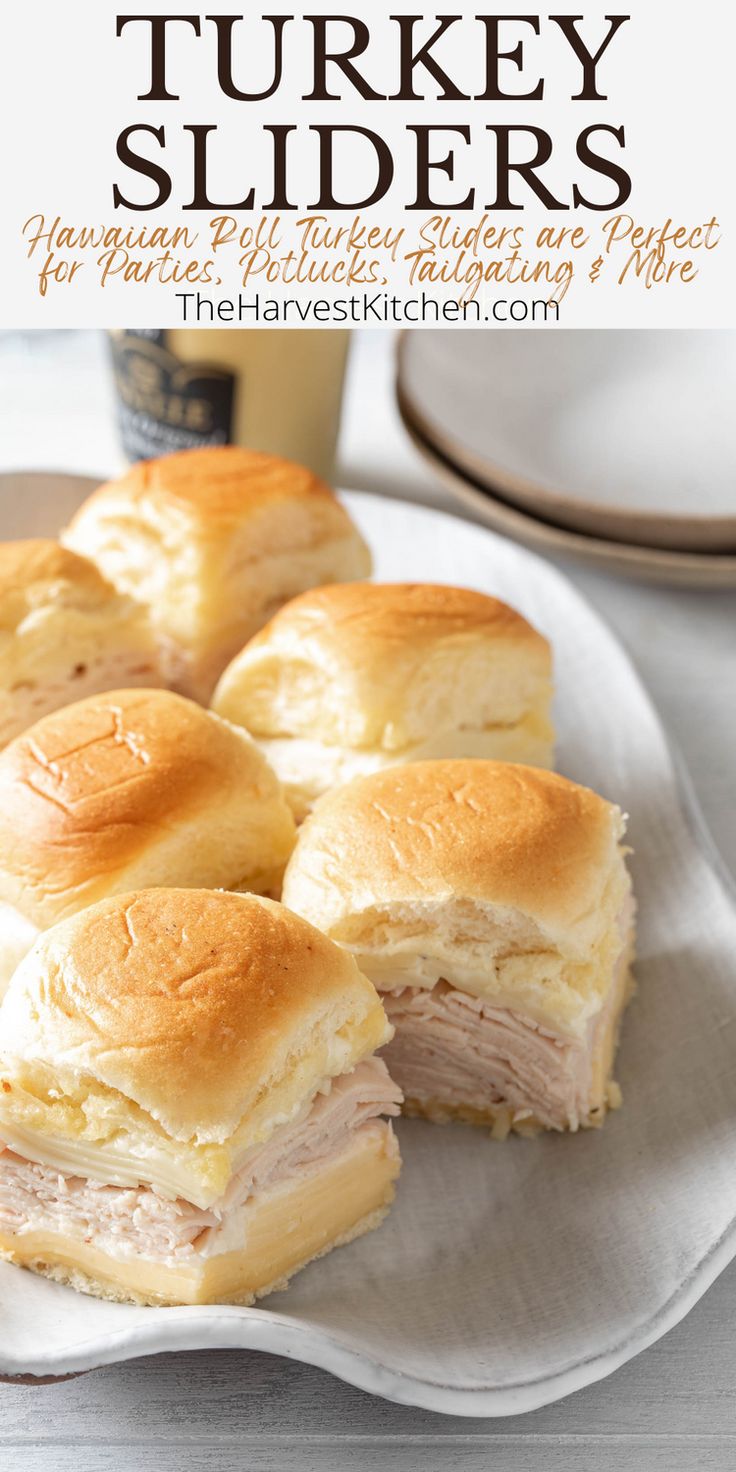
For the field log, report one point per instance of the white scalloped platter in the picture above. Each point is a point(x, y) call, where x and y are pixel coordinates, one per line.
point(507, 1275)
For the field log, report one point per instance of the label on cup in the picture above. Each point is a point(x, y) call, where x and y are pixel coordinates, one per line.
point(164, 404)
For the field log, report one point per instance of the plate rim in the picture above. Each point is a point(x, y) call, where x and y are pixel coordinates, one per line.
point(231, 1327)
point(707, 570)
point(554, 506)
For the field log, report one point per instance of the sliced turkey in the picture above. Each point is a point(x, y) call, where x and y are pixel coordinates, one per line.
point(456, 1050)
point(137, 1220)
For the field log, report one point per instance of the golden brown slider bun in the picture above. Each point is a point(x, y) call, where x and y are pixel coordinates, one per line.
point(502, 882)
point(212, 541)
point(152, 1044)
point(348, 679)
point(129, 789)
point(64, 633)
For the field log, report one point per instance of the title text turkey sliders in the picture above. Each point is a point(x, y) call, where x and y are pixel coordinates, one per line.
point(396, 58)
point(491, 905)
point(498, 62)
point(189, 1106)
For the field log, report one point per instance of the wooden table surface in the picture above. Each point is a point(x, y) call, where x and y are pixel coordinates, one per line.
point(672, 1408)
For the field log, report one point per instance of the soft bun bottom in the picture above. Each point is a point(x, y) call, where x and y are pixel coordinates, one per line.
point(287, 1229)
point(309, 768)
point(499, 1119)
point(255, 590)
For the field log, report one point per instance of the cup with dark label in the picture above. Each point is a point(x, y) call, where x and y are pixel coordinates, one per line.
point(273, 390)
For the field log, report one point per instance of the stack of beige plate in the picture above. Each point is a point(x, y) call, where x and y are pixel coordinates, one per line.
point(615, 447)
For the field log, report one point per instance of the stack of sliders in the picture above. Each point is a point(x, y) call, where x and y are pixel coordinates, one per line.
point(190, 1108)
point(162, 576)
point(212, 542)
point(491, 905)
point(127, 790)
point(353, 679)
point(190, 1105)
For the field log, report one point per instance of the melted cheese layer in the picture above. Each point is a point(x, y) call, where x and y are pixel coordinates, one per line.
point(117, 1162)
point(282, 1230)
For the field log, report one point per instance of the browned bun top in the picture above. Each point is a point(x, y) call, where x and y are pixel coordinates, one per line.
point(388, 665)
point(132, 778)
point(190, 1003)
point(221, 484)
point(492, 832)
point(380, 616)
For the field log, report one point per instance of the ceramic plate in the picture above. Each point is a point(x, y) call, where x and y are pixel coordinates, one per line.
point(507, 1275)
point(627, 436)
point(643, 564)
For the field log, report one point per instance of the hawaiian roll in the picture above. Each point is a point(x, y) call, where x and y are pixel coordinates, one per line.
point(190, 1108)
point(351, 679)
point(212, 542)
point(126, 790)
point(65, 633)
point(491, 905)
